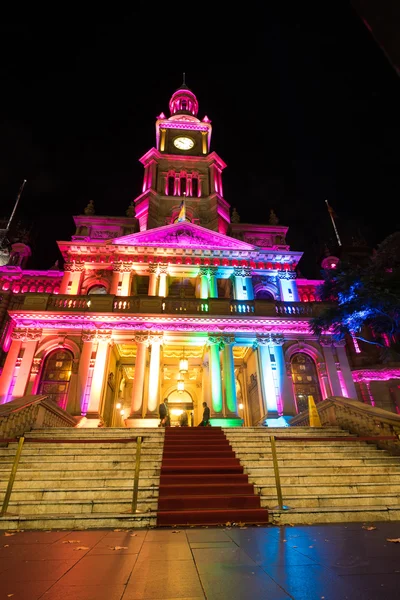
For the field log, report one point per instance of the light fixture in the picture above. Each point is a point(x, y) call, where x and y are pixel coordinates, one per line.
point(118, 405)
point(180, 386)
point(122, 412)
point(240, 406)
point(183, 363)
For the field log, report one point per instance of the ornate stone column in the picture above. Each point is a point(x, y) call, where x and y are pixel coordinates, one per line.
point(326, 343)
point(229, 376)
point(286, 403)
point(84, 365)
point(153, 399)
point(268, 383)
point(31, 339)
point(248, 283)
point(345, 369)
point(71, 281)
point(288, 286)
point(153, 280)
point(99, 373)
point(237, 283)
point(203, 274)
point(214, 342)
point(140, 369)
point(213, 274)
point(162, 286)
point(324, 381)
point(120, 282)
point(11, 363)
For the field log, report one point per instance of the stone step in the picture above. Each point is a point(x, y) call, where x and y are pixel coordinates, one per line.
point(82, 458)
point(382, 468)
point(78, 522)
point(79, 483)
point(345, 478)
point(315, 462)
point(42, 452)
point(329, 500)
point(333, 514)
point(326, 489)
point(60, 473)
point(72, 507)
point(309, 447)
point(126, 465)
point(104, 493)
point(293, 455)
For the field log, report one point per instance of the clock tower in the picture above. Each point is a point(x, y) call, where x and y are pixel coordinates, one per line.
point(181, 167)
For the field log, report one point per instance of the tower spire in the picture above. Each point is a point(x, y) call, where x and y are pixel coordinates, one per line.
point(184, 82)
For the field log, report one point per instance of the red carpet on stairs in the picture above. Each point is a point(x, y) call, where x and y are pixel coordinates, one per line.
point(202, 482)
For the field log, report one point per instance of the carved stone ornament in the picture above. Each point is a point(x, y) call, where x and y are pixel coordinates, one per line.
point(104, 336)
point(36, 365)
point(122, 267)
point(229, 339)
point(325, 341)
point(203, 271)
point(153, 269)
point(26, 334)
point(141, 338)
point(216, 339)
point(163, 269)
point(277, 339)
point(156, 338)
point(263, 340)
point(74, 267)
point(322, 369)
point(287, 274)
point(88, 335)
point(103, 234)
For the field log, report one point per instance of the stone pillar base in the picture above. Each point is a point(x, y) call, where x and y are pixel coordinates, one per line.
point(139, 422)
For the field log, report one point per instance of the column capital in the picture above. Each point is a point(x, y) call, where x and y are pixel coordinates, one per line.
point(203, 271)
point(156, 338)
point(322, 369)
point(36, 365)
point(122, 267)
point(153, 268)
point(141, 338)
point(104, 335)
point(325, 341)
point(262, 340)
point(163, 269)
point(277, 339)
point(216, 338)
point(74, 266)
point(26, 334)
point(287, 274)
point(88, 335)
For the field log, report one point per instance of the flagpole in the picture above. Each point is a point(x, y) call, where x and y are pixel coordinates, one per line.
point(330, 211)
point(16, 204)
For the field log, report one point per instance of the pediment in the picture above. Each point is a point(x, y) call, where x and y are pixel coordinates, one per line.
point(182, 234)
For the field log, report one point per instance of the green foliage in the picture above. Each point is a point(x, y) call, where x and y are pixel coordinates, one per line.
point(360, 297)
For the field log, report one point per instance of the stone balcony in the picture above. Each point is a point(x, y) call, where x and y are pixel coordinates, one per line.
point(106, 303)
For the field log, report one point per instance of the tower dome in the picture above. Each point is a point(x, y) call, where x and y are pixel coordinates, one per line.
point(183, 101)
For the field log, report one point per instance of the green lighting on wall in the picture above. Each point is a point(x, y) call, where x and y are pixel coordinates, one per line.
point(227, 422)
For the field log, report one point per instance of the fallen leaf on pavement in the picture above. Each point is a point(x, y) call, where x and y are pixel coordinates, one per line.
point(118, 547)
point(82, 548)
point(395, 540)
point(368, 527)
point(71, 541)
point(8, 534)
point(133, 534)
point(175, 531)
point(240, 524)
point(117, 529)
point(228, 524)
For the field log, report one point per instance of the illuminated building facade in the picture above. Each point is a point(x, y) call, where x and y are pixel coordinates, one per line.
point(178, 299)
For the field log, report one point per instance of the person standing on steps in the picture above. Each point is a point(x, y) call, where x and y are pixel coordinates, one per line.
point(165, 419)
point(205, 422)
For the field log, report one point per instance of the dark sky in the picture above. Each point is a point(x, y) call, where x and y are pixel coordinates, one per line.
point(304, 106)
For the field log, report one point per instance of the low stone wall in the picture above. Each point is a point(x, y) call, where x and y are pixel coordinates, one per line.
point(31, 412)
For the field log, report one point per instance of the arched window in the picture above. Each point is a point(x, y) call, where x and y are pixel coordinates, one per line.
point(195, 187)
point(305, 380)
point(97, 289)
point(264, 295)
point(183, 186)
point(55, 377)
point(171, 185)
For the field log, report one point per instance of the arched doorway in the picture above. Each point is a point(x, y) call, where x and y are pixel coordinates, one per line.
point(305, 380)
point(56, 375)
point(179, 403)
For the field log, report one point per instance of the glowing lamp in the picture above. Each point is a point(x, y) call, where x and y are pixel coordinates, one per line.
point(122, 412)
point(241, 406)
point(183, 365)
point(180, 386)
point(118, 405)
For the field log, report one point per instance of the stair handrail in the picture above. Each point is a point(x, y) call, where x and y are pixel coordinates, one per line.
point(358, 418)
point(32, 412)
point(11, 479)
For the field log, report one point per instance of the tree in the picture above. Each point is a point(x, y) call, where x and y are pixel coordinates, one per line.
point(360, 297)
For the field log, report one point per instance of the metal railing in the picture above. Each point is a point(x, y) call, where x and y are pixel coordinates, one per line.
point(274, 453)
point(21, 440)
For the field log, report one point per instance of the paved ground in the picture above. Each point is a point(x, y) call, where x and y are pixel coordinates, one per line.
point(314, 562)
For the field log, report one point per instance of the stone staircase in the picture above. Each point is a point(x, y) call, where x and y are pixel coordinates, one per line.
point(323, 480)
point(85, 482)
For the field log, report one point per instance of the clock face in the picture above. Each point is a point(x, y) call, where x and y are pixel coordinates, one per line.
point(183, 143)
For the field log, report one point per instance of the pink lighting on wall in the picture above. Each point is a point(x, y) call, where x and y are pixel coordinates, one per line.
point(355, 342)
point(366, 375)
point(216, 262)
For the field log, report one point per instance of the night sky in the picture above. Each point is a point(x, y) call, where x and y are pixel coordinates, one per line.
point(303, 102)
